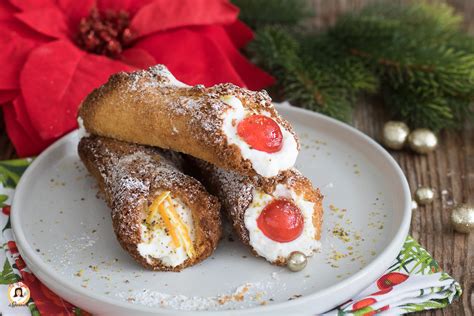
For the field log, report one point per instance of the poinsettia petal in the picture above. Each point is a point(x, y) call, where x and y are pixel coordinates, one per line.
point(49, 21)
point(204, 64)
point(25, 145)
point(212, 60)
point(44, 80)
point(131, 6)
point(162, 15)
point(239, 33)
point(6, 10)
point(14, 25)
point(26, 5)
point(7, 95)
point(137, 57)
point(23, 118)
point(75, 10)
point(254, 77)
point(55, 79)
point(13, 54)
point(17, 40)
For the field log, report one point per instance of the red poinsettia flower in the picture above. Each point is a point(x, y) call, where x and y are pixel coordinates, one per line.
point(54, 52)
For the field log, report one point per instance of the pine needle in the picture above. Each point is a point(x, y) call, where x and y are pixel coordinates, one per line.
point(416, 56)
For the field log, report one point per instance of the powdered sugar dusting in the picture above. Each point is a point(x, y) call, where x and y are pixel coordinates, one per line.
point(196, 111)
point(243, 199)
point(237, 187)
point(128, 176)
point(158, 76)
point(244, 296)
point(234, 190)
point(131, 176)
point(72, 247)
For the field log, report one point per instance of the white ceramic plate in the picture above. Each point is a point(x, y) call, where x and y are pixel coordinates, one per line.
point(64, 233)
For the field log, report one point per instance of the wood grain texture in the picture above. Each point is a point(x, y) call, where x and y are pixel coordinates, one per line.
point(450, 170)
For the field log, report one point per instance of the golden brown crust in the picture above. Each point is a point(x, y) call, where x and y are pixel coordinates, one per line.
point(130, 177)
point(147, 107)
point(235, 193)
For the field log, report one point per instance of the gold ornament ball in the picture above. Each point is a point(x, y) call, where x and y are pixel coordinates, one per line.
point(297, 261)
point(414, 205)
point(395, 134)
point(422, 140)
point(424, 195)
point(462, 218)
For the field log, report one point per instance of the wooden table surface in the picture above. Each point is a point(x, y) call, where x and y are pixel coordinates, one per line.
point(449, 170)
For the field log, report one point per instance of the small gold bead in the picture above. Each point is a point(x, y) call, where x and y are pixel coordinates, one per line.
point(395, 134)
point(296, 261)
point(462, 218)
point(422, 140)
point(424, 195)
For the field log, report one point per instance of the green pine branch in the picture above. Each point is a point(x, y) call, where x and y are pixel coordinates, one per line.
point(416, 56)
point(272, 12)
point(326, 86)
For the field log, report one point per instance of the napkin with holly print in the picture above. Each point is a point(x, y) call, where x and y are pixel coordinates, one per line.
point(414, 282)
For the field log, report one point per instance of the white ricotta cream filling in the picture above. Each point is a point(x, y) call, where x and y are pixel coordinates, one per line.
point(82, 129)
point(158, 244)
point(270, 249)
point(265, 164)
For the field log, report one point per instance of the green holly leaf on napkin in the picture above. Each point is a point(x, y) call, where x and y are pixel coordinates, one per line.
point(7, 276)
point(3, 198)
point(11, 170)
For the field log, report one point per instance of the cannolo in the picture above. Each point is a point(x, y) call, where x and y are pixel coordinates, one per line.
point(231, 127)
point(163, 218)
point(274, 216)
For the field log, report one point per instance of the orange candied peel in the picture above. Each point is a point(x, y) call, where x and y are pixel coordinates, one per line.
point(178, 230)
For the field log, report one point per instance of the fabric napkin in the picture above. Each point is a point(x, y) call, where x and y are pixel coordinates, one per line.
point(414, 281)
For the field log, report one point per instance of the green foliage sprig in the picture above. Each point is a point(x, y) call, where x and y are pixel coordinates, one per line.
point(416, 56)
point(257, 13)
point(327, 85)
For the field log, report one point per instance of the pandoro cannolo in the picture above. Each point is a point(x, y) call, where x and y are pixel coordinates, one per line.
point(163, 218)
point(228, 126)
point(274, 216)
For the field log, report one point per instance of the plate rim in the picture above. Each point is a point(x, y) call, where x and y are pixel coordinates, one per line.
point(394, 246)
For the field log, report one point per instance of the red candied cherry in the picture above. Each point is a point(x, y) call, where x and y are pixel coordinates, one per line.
point(391, 279)
point(6, 210)
point(281, 221)
point(363, 303)
point(261, 133)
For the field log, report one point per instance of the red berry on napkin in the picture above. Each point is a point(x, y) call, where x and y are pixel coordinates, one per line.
point(391, 279)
